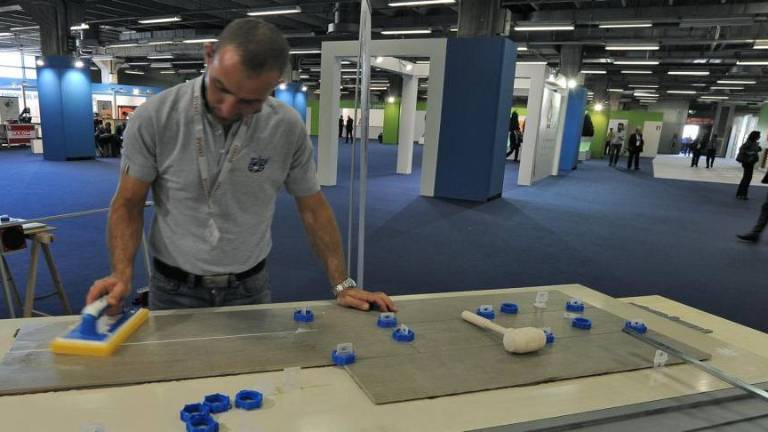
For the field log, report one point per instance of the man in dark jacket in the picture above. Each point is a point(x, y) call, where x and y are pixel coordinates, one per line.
point(350, 127)
point(341, 126)
point(754, 235)
point(635, 147)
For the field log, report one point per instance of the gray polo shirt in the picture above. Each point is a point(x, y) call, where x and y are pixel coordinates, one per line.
point(159, 147)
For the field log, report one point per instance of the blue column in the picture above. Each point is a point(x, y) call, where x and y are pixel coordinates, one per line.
point(66, 109)
point(294, 96)
point(574, 121)
point(477, 99)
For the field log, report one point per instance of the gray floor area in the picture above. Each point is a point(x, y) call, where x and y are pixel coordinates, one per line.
point(449, 356)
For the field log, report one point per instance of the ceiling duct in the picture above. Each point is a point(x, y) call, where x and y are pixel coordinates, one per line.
point(345, 19)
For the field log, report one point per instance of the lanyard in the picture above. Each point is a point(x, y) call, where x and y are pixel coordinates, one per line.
point(202, 160)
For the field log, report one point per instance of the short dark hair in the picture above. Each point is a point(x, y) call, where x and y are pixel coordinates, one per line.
point(262, 47)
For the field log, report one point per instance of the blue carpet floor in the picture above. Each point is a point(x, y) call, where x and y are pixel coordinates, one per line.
point(621, 233)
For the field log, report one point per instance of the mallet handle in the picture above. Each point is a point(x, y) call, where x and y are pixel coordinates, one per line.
point(482, 322)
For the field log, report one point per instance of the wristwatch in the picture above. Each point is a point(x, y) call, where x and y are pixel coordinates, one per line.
point(345, 284)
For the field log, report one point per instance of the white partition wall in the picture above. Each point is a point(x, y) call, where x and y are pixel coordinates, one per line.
point(532, 77)
point(333, 52)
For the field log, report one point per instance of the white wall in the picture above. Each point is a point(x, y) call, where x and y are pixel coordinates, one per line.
point(675, 113)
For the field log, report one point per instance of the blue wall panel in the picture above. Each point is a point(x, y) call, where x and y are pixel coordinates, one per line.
point(292, 95)
point(66, 109)
point(574, 121)
point(477, 99)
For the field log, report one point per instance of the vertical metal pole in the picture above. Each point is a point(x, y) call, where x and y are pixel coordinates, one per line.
point(29, 297)
point(364, 68)
point(351, 213)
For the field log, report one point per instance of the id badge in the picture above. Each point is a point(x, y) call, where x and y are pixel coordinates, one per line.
point(212, 232)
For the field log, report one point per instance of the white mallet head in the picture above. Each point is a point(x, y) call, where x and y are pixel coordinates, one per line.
point(524, 340)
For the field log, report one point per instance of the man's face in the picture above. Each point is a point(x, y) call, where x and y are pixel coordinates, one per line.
point(231, 91)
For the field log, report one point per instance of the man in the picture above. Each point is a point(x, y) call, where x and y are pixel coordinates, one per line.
point(616, 144)
point(608, 141)
point(350, 127)
point(215, 151)
point(635, 147)
point(697, 146)
point(341, 125)
point(711, 151)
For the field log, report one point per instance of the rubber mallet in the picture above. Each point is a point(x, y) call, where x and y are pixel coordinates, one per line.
point(518, 341)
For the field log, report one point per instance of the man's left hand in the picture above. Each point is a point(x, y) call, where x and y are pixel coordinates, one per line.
point(361, 299)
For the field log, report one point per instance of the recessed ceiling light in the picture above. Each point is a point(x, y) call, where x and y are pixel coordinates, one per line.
point(714, 97)
point(134, 72)
point(535, 26)
point(752, 62)
point(730, 81)
point(125, 45)
point(138, 63)
point(644, 85)
point(624, 24)
point(593, 71)
point(726, 88)
point(406, 32)
point(305, 51)
point(632, 47)
point(699, 85)
point(420, 3)
point(636, 62)
point(275, 11)
point(159, 20)
point(532, 62)
point(168, 72)
point(689, 73)
point(615, 90)
point(636, 72)
point(160, 42)
point(201, 40)
point(81, 26)
point(160, 56)
point(681, 91)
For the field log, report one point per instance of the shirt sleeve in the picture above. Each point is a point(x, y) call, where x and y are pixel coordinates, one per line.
point(140, 147)
point(302, 176)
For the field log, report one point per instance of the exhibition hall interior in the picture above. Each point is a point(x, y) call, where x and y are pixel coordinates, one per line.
point(389, 215)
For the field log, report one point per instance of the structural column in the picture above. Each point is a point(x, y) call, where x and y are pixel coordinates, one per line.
point(480, 18)
point(328, 138)
point(407, 124)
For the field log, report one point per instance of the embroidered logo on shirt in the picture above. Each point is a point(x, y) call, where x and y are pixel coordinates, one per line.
point(257, 164)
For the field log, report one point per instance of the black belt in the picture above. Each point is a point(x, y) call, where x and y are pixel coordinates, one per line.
point(182, 276)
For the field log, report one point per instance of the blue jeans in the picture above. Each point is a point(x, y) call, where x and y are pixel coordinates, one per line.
point(166, 293)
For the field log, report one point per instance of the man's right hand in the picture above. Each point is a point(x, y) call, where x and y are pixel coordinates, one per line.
point(115, 288)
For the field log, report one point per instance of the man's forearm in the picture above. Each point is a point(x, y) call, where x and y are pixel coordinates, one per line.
point(326, 242)
point(123, 237)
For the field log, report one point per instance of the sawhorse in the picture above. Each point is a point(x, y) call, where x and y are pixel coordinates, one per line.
point(41, 236)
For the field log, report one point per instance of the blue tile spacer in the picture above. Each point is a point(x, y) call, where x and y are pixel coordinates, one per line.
point(248, 400)
point(192, 409)
point(486, 311)
point(581, 323)
point(574, 305)
point(386, 320)
point(303, 315)
point(217, 403)
point(202, 423)
point(509, 308)
point(343, 359)
point(549, 334)
point(403, 334)
point(636, 325)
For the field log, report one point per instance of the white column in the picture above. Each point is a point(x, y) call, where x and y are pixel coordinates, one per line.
point(108, 69)
point(407, 124)
point(327, 139)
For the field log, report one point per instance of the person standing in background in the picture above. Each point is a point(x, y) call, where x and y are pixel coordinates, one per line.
point(514, 136)
point(711, 151)
point(749, 154)
point(635, 147)
point(696, 148)
point(674, 144)
point(341, 125)
point(686, 150)
point(754, 235)
point(616, 144)
point(350, 128)
point(608, 141)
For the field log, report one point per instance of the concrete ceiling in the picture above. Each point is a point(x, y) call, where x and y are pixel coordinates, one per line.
point(709, 35)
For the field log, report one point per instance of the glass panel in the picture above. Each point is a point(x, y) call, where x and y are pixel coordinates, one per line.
point(10, 59)
point(31, 73)
point(10, 72)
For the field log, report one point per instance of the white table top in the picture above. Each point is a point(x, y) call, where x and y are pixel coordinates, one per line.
point(329, 400)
